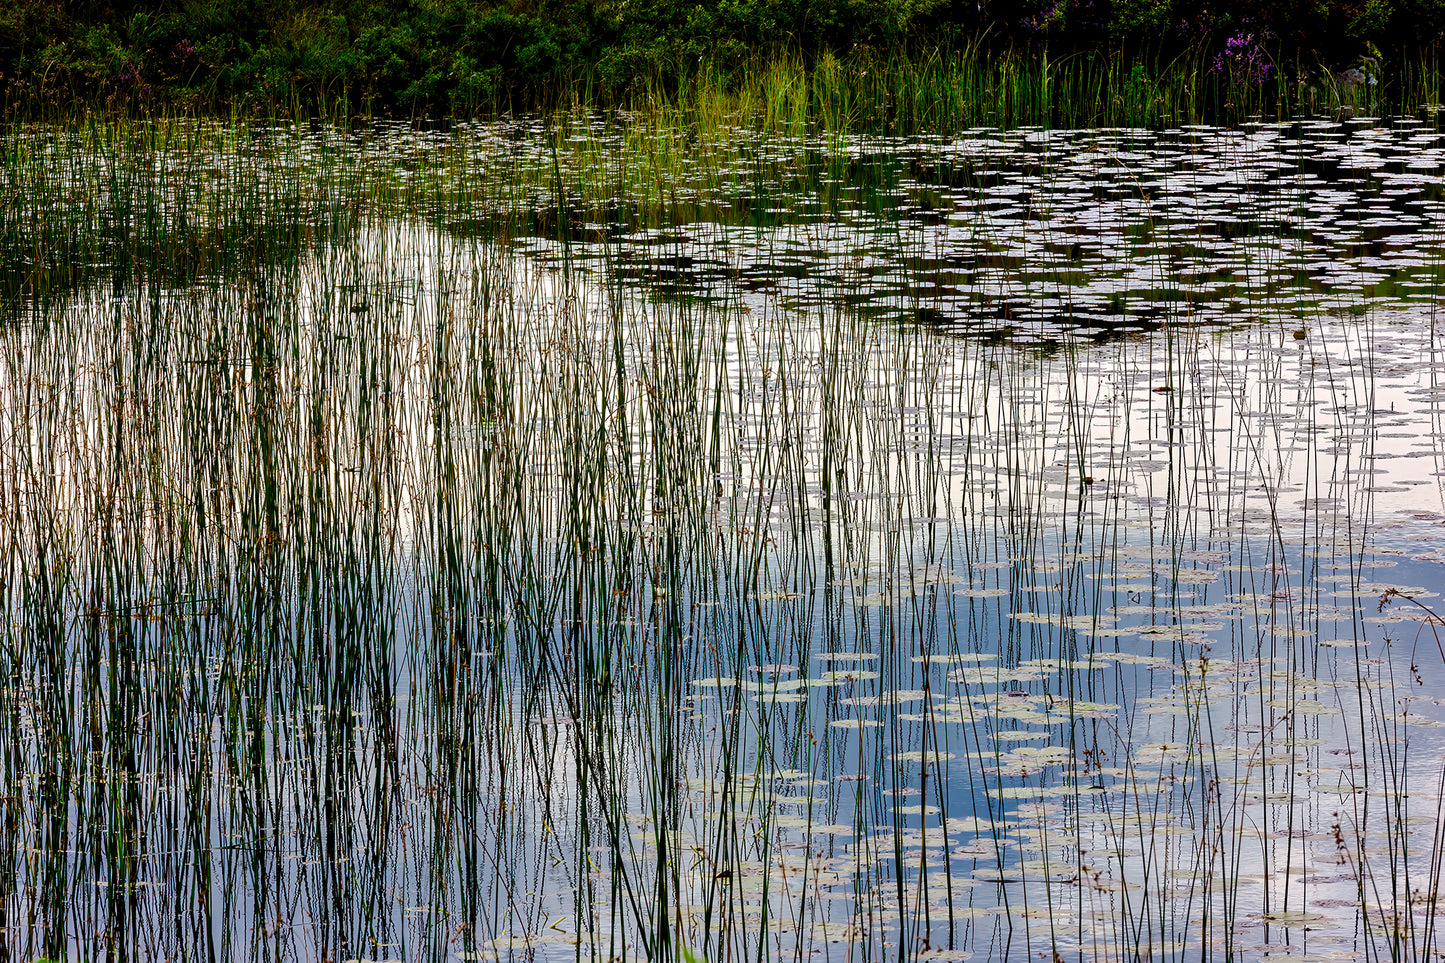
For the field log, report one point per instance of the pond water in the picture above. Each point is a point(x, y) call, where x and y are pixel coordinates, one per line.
point(476, 545)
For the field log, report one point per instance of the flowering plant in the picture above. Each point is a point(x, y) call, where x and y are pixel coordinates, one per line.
point(1244, 60)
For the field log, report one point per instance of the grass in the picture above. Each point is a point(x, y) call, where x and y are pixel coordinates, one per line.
point(892, 90)
point(943, 91)
point(381, 588)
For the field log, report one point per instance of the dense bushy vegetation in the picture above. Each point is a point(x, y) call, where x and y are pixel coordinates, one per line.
point(464, 54)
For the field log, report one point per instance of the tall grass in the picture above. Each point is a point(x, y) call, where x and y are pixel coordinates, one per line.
point(942, 90)
point(903, 90)
point(945, 91)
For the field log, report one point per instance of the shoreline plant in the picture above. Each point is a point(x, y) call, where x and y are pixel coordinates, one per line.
point(1066, 63)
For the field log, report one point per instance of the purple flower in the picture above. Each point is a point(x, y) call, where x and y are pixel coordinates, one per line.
point(1243, 59)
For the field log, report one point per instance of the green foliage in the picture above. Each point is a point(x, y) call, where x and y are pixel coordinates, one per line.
point(1145, 17)
point(460, 56)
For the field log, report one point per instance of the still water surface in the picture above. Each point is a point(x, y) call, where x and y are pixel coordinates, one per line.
point(1017, 545)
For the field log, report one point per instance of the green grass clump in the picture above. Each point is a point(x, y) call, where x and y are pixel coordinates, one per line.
point(161, 198)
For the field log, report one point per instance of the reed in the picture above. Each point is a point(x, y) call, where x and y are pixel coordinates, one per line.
point(416, 547)
point(902, 90)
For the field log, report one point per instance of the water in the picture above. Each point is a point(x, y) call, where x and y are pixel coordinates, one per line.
point(1017, 544)
point(1038, 236)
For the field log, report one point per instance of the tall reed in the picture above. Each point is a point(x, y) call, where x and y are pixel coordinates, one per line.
point(399, 564)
